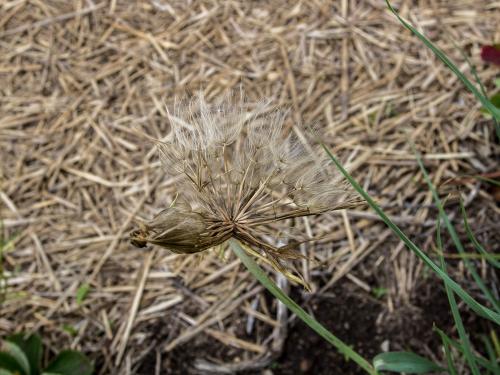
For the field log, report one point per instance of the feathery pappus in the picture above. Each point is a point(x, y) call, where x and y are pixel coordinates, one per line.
point(237, 177)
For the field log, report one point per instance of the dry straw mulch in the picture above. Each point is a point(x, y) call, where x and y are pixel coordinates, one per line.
point(83, 83)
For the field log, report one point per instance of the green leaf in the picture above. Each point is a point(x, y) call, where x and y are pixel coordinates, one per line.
point(495, 112)
point(491, 259)
point(259, 274)
point(32, 347)
point(5, 372)
point(407, 362)
point(449, 358)
point(454, 236)
point(72, 331)
point(495, 100)
point(379, 292)
point(491, 353)
point(81, 293)
point(474, 305)
point(70, 362)
point(17, 353)
point(453, 343)
point(9, 363)
point(454, 310)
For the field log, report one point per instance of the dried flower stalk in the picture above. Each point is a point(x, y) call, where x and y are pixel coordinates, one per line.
point(237, 177)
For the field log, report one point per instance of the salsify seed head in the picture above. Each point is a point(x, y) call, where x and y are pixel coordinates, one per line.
point(237, 176)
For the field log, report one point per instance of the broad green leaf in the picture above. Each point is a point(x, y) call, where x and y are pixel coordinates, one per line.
point(70, 362)
point(9, 363)
point(6, 372)
point(32, 348)
point(407, 362)
point(17, 353)
point(81, 293)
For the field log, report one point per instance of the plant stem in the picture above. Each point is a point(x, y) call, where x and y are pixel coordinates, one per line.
point(259, 274)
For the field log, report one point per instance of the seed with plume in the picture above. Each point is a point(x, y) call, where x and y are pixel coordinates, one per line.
point(237, 177)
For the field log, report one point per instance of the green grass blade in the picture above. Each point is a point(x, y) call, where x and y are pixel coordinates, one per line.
point(491, 353)
point(442, 56)
point(491, 259)
point(447, 351)
point(259, 274)
point(454, 311)
point(454, 236)
point(480, 83)
point(480, 360)
point(81, 293)
point(488, 180)
point(467, 298)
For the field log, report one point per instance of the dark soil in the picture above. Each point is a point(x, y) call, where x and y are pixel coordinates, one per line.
point(362, 322)
point(355, 316)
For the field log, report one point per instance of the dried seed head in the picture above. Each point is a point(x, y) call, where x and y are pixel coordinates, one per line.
point(240, 177)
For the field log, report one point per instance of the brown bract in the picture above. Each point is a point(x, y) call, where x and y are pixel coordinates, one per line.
point(237, 177)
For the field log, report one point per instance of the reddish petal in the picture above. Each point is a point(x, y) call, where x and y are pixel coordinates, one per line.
point(491, 54)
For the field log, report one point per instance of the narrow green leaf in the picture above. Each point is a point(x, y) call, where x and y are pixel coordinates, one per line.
point(488, 180)
point(407, 362)
point(70, 362)
point(81, 293)
point(474, 305)
point(454, 236)
point(481, 86)
point(17, 353)
point(32, 348)
point(257, 272)
point(442, 56)
point(453, 343)
point(475, 242)
point(456, 314)
point(379, 292)
point(491, 353)
point(449, 358)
